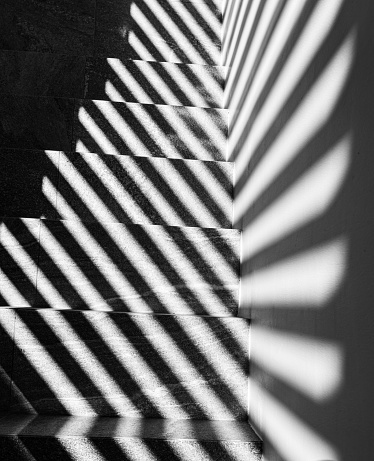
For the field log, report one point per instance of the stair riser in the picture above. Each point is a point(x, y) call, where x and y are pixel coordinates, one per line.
point(107, 78)
point(113, 266)
point(149, 130)
point(113, 128)
point(154, 82)
point(179, 31)
point(93, 363)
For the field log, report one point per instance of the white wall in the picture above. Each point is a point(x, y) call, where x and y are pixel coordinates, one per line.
point(301, 97)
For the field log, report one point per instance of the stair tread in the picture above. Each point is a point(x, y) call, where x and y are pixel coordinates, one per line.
point(166, 429)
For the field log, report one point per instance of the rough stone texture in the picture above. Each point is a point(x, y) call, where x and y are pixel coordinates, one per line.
point(179, 32)
point(126, 439)
point(20, 448)
point(7, 319)
point(53, 26)
point(88, 363)
point(154, 82)
point(36, 123)
point(150, 130)
point(19, 252)
point(124, 427)
point(21, 189)
point(140, 269)
point(41, 74)
point(145, 190)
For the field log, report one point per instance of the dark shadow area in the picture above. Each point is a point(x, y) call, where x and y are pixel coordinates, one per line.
point(175, 31)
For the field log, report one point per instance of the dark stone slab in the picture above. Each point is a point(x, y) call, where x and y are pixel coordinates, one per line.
point(36, 123)
point(141, 269)
point(145, 190)
point(150, 130)
point(19, 252)
point(24, 173)
point(84, 363)
point(158, 30)
point(154, 82)
point(41, 74)
point(6, 356)
point(52, 26)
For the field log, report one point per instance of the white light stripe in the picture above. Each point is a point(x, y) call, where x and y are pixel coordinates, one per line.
point(309, 197)
point(176, 121)
point(88, 362)
point(134, 252)
point(51, 373)
point(293, 439)
point(10, 293)
point(129, 81)
point(178, 361)
point(124, 131)
point(306, 48)
point(309, 117)
point(183, 43)
point(136, 450)
point(139, 48)
point(20, 256)
point(146, 187)
point(81, 449)
point(250, 59)
point(188, 272)
point(289, 17)
point(69, 268)
point(307, 280)
point(145, 24)
point(312, 366)
point(96, 133)
point(191, 201)
point(249, 24)
point(149, 382)
point(217, 192)
point(224, 365)
point(230, 26)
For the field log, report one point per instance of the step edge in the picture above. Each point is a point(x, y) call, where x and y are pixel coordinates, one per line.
point(131, 224)
point(151, 428)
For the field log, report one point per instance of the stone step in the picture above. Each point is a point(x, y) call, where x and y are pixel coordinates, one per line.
point(126, 439)
point(155, 82)
point(159, 30)
point(86, 363)
point(120, 267)
point(111, 127)
point(113, 188)
point(24, 73)
point(150, 130)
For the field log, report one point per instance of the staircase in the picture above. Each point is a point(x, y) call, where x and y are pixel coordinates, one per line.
point(119, 280)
